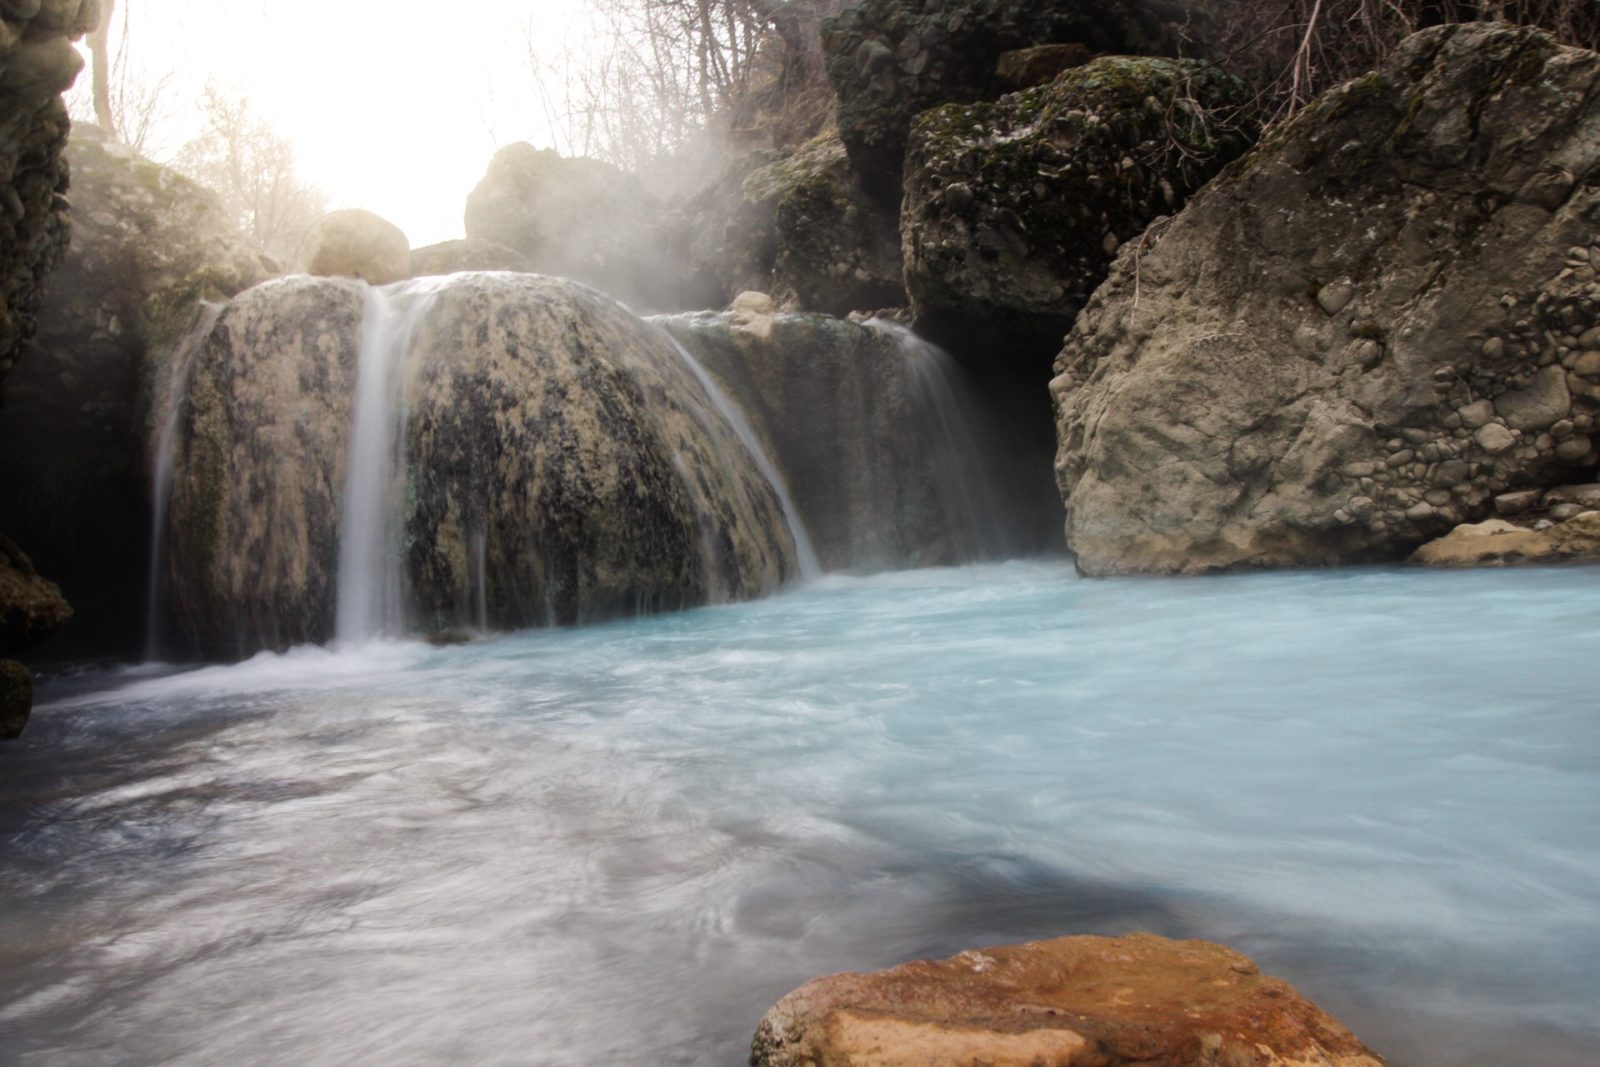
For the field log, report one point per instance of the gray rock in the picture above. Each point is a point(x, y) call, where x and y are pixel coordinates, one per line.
point(16, 699)
point(359, 244)
point(1588, 496)
point(1518, 503)
point(1195, 435)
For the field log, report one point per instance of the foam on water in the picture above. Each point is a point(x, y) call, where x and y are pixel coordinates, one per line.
point(619, 844)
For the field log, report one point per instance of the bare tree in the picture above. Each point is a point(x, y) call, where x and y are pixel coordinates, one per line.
point(124, 98)
point(252, 168)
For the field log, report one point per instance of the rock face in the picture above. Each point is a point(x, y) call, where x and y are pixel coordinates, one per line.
point(852, 419)
point(31, 607)
point(1358, 335)
point(455, 257)
point(574, 218)
point(1111, 1002)
point(1497, 543)
point(560, 464)
point(1014, 210)
point(890, 60)
point(37, 64)
point(148, 246)
point(359, 244)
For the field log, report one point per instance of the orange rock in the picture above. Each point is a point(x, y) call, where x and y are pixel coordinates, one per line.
point(1071, 1002)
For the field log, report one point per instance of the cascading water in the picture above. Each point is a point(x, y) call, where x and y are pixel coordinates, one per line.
point(371, 574)
point(952, 435)
point(165, 462)
point(805, 551)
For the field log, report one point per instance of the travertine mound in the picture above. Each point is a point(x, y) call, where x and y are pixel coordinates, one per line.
point(1359, 334)
point(1074, 1002)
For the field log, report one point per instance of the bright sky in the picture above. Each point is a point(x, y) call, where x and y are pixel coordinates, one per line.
point(393, 105)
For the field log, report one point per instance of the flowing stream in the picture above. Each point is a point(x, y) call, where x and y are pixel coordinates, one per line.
point(620, 844)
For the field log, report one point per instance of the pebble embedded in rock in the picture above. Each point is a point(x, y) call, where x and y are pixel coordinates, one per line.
point(1335, 296)
point(1495, 439)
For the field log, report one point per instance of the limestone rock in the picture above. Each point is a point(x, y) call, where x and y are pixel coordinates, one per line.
point(575, 218)
point(359, 244)
point(1023, 68)
point(456, 257)
point(1115, 1002)
point(1498, 544)
point(149, 246)
point(890, 60)
point(31, 607)
point(37, 64)
point(1013, 210)
point(1213, 414)
point(560, 464)
point(16, 699)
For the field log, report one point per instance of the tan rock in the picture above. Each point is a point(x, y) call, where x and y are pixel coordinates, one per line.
point(1131, 1000)
point(1577, 539)
point(359, 244)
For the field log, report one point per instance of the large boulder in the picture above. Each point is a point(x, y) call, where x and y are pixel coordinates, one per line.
point(575, 218)
point(890, 60)
point(1112, 1002)
point(1362, 332)
point(31, 607)
point(1014, 210)
point(559, 463)
point(888, 462)
point(149, 246)
point(37, 63)
point(358, 244)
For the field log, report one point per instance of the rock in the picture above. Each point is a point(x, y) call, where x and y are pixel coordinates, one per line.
point(890, 60)
point(1059, 176)
point(31, 607)
point(1563, 512)
point(575, 218)
point(1210, 406)
point(455, 257)
point(1518, 503)
point(149, 246)
point(16, 699)
point(1586, 496)
point(1023, 68)
point(39, 64)
point(1577, 540)
point(359, 244)
point(1113, 1002)
point(561, 464)
point(849, 416)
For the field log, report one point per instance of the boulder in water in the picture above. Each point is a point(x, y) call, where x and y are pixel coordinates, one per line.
point(16, 699)
point(1358, 335)
point(1113, 1002)
point(359, 244)
point(559, 463)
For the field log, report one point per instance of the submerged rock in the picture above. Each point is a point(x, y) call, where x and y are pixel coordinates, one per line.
point(1113, 1002)
point(559, 464)
point(1014, 210)
point(890, 60)
point(148, 247)
point(359, 244)
point(1358, 335)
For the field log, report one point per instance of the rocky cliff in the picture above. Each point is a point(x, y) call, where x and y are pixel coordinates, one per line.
point(1360, 333)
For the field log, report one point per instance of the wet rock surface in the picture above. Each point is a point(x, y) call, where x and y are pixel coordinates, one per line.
point(560, 465)
point(1129, 1001)
point(1498, 543)
point(889, 60)
point(455, 257)
point(359, 244)
point(148, 247)
point(1014, 210)
point(1360, 334)
point(575, 218)
point(37, 64)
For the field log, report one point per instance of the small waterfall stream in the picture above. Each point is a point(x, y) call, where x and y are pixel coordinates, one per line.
point(371, 569)
point(165, 463)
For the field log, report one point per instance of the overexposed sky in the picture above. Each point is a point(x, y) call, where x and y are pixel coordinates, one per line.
point(393, 105)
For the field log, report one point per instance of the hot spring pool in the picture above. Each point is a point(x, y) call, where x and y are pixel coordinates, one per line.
point(618, 845)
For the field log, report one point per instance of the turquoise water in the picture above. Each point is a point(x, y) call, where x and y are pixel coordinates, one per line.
point(619, 844)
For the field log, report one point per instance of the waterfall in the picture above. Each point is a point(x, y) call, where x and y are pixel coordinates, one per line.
point(810, 567)
point(165, 464)
point(961, 452)
point(371, 565)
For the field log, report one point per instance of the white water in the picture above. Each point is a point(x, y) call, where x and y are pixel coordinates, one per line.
point(731, 413)
point(619, 844)
point(165, 462)
point(371, 583)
